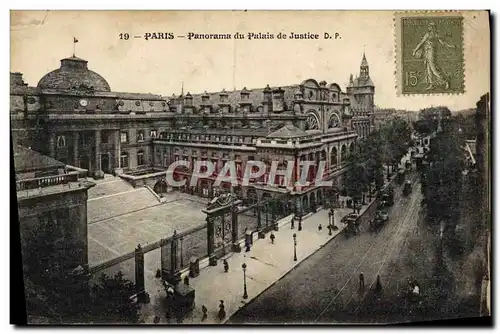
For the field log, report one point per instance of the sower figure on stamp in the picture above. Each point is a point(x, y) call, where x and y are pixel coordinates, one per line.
point(434, 74)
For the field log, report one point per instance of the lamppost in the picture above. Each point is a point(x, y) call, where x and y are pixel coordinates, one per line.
point(295, 247)
point(330, 214)
point(244, 267)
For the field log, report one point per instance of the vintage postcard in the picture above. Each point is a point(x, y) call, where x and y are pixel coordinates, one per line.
point(251, 167)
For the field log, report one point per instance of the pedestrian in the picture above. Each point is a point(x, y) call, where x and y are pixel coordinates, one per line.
point(156, 319)
point(222, 311)
point(186, 280)
point(272, 237)
point(342, 203)
point(292, 225)
point(170, 292)
point(300, 223)
point(378, 285)
point(320, 227)
point(361, 282)
point(226, 266)
point(204, 311)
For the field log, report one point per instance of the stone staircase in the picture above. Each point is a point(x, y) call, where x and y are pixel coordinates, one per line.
point(110, 185)
point(105, 207)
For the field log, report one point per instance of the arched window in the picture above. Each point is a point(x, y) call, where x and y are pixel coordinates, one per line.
point(343, 153)
point(333, 157)
point(61, 141)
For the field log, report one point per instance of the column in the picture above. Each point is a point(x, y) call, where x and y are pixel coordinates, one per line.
point(212, 260)
point(76, 153)
point(52, 145)
point(175, 274)
point(118, 152)
point(97, 169)
point(234, 232)
point(142, 296)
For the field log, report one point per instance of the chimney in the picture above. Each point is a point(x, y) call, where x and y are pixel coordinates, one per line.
point(245, 100)
point(223, 104)
point(278, 100)
point(205, 103)
point(267, 102)
point(188, 103)
point(16, 79)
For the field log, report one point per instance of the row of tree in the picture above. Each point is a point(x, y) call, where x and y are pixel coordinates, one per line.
point(385, 146)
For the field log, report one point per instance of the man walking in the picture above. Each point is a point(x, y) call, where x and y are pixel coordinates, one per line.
point(226, 266)
point(272, 237)
point(204, 310)
point(361, 282)
point(378, 285)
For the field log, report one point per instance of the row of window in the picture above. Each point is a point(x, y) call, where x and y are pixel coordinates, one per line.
point(140, 136)
point(125, 159)
point(188, 137)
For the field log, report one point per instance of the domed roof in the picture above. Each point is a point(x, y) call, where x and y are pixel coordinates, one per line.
point(73, 74)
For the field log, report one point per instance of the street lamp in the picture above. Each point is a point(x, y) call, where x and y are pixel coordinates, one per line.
point(330, 222)
point(244, 267)
point(295, 247)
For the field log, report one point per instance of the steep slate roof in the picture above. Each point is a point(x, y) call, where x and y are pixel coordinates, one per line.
point(256, 96)
point(358, 82)
point(26, 160)
point(288, 131)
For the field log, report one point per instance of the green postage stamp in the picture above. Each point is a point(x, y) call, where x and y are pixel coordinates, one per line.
point(429, 53)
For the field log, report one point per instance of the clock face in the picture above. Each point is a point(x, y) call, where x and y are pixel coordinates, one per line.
point(83, 103)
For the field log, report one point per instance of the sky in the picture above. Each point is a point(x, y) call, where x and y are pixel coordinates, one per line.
point(39, 39)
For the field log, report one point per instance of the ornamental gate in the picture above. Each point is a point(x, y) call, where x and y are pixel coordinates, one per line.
point(223, 227)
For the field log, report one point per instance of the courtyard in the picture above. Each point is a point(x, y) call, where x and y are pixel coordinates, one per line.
point(118, 235)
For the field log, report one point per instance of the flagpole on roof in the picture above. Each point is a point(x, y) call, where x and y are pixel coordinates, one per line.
point(74, 45)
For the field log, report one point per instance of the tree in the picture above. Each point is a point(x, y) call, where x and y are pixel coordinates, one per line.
point(355, 180)
point(442, 180)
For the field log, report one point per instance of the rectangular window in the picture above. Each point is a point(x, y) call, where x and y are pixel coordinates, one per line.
point(140, 135)
point(153, 133)
point(104, 137)
point(140, 158)
point(124, 160)
point(123, 137)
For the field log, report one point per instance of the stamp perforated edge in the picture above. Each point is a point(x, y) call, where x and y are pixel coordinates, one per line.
point(398, 55)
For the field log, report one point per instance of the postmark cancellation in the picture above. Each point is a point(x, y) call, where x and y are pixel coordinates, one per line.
point(429, 52)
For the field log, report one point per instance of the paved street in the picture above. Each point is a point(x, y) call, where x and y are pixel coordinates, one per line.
point(325, 287)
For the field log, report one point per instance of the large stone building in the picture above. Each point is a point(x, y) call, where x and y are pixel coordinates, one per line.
point(52, 211)
point(73, 116)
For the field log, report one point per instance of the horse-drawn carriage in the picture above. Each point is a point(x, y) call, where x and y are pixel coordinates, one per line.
point(381, 217)
point(352, 224)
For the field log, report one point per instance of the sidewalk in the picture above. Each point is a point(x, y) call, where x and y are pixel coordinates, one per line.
point(266, 264)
